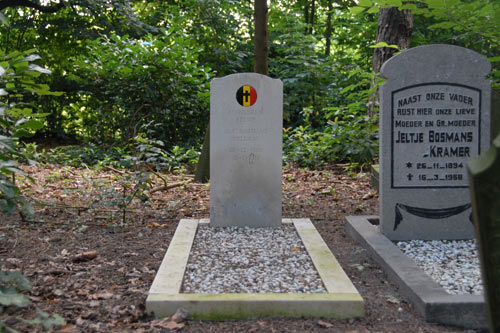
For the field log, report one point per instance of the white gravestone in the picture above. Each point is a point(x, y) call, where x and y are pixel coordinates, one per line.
point(434, 117)
point(246, 123)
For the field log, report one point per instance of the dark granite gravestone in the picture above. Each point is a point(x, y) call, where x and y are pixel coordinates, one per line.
point(484, 179)
point(435, 117)
point(495, 113)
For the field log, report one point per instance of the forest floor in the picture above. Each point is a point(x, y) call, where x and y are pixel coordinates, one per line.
point(93, 265)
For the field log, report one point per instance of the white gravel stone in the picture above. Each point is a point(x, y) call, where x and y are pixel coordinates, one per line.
point(250, 260)
point(452, 264)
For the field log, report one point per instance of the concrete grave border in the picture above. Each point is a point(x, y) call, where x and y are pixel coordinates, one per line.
point(342, 300)
point(429, 299)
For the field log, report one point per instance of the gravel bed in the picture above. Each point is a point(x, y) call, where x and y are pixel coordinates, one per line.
point(452, 264)
point(250, 260)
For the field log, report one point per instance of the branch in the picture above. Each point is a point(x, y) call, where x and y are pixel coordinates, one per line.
point(168, 187)
point(27, 3)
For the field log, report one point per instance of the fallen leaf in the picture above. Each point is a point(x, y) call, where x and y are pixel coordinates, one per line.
point(179, 315)
point(68, 328)
point(325, 324)
point(392, 299)
point(155, 225)
point(94, 304)
point(13, 261)
point(103, 295)
point(85, 256)
point(58, 292)
point(82, 292)
point(295, 249)
point(369, 195)
point(358, 266)
point(172, 325)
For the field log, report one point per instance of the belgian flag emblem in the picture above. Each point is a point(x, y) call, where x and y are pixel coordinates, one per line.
point(246, 96)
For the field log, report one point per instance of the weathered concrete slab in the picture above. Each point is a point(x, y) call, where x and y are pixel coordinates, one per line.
point(246, 123)
point(342, 300)
point(429, 299)
point(171, 272)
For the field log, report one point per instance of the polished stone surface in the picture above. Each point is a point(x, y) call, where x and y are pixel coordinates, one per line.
point(434, 117)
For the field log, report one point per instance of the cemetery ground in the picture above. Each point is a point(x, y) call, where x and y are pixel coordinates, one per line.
point(92, 257)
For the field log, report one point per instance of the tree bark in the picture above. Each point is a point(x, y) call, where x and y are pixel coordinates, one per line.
point(311, 17)
point(328, 32)
point(260, 66)
point(260, 37)
point(306, 15)
point(395, 27)
point(203, 167)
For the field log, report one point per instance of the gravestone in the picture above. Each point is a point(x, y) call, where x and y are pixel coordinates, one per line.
point(246, 121)
point(434, 117)
point(484, 179)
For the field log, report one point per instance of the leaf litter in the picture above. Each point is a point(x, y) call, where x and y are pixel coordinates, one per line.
point(94, 268)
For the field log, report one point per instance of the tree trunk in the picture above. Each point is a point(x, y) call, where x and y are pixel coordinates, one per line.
point(203, 167)
point(260, 66)
point(395, 27)
point(261, 37)
point(309, 11)
point(328, 32)
point(306, 15)
point(311, 17)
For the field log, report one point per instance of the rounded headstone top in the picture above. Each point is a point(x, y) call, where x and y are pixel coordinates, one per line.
point(437, 62)
point(245, 76)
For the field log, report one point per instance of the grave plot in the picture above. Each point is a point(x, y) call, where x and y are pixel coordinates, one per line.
point(224, 278)
point(333, 295)
point(435, 117)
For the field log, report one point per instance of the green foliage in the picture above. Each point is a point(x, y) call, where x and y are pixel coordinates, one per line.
point(353, 140)
point(18, 74)
point(154, 87)
point(120, 193)
point(142, 155)
point(45, 319)
point(135, 73)
point(312, 81)
point(474, 24)
point(350, 134)
point(12, 284)
point(153, 153)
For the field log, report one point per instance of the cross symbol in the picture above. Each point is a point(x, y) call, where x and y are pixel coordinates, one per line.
point(246, 94)
point(410, 176)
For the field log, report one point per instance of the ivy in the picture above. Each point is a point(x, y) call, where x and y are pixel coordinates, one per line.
point(12, 286)
point(18, 82)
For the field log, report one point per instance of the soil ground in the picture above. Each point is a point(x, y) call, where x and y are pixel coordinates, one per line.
point(78, 217)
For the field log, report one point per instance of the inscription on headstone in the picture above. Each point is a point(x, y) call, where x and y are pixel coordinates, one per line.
point(439, 124)
point(435, 116)
point(246, 120)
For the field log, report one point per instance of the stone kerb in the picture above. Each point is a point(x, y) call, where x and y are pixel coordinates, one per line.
point(435, 117)
point(246, 121)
